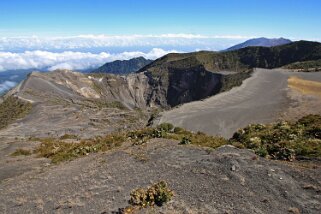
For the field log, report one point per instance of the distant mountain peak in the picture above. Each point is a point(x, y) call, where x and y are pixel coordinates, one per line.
point(262, 41)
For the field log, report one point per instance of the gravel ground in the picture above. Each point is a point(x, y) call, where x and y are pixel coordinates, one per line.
point(226, 180)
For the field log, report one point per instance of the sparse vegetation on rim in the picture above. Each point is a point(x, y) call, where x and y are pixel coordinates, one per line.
point(283, 140)
point(58, 150)
point(306, 66)
point(11, 109)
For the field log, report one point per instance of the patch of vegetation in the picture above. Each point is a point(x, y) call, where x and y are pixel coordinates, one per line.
point(283, 140)
point(20, 152)
point(157, 194)
point(306, 66)
point(68, 136)
point(12, 109)
point(58, 150)
point(185, 141)
point(168, 131)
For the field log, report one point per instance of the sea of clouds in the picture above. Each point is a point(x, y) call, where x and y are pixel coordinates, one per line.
point(90, 51)
point(6, 85)
point(105, 41)
point(48, 61)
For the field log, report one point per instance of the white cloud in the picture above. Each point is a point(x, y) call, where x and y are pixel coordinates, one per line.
point(88, 51)
point(45, 60)
point(102, 41)
point(6, 85)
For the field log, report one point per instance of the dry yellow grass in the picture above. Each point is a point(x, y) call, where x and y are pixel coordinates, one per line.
point(305, 86)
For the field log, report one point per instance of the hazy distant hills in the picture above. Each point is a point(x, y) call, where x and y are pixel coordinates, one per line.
point(123, 66)
point(263, 42)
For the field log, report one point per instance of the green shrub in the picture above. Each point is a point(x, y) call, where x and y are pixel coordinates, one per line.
point(157, 194)
point(261, 151)
point(282, 140)
point(185, 141)
point(59, 150)
point(167, 127)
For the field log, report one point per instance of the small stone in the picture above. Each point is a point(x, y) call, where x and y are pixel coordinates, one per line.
point(233, 168)
point(294, 210)
point(281, 178)
point(309, 186)
point(265, 200)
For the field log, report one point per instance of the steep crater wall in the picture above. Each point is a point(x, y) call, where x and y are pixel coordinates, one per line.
point(178, 86)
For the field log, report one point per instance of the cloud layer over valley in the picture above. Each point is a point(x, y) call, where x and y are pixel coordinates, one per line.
point(85, 52)
point(6, 85)
point(48, 61)
point(105, 41)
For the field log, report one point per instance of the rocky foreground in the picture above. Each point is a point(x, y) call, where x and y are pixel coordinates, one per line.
point(225, 180)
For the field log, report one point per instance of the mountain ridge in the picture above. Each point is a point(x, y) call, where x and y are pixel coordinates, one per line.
point(240, 60)
point(262, 41)
point(123, 66)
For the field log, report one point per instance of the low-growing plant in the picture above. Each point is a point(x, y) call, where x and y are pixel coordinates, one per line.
point(261, 151)
point(20, 151)
point(58, 150)
point(185, 141)
point(157, 194)
point(167, 127)
point(174, 133)
point(282, 140)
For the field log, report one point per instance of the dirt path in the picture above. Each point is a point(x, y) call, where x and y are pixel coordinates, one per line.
point(260, 99)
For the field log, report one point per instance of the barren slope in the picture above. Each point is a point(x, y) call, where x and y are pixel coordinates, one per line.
point(263, 98)
point(226, 180)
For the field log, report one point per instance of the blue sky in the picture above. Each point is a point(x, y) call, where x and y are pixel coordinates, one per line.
point(45, 35)
point(296, 19)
